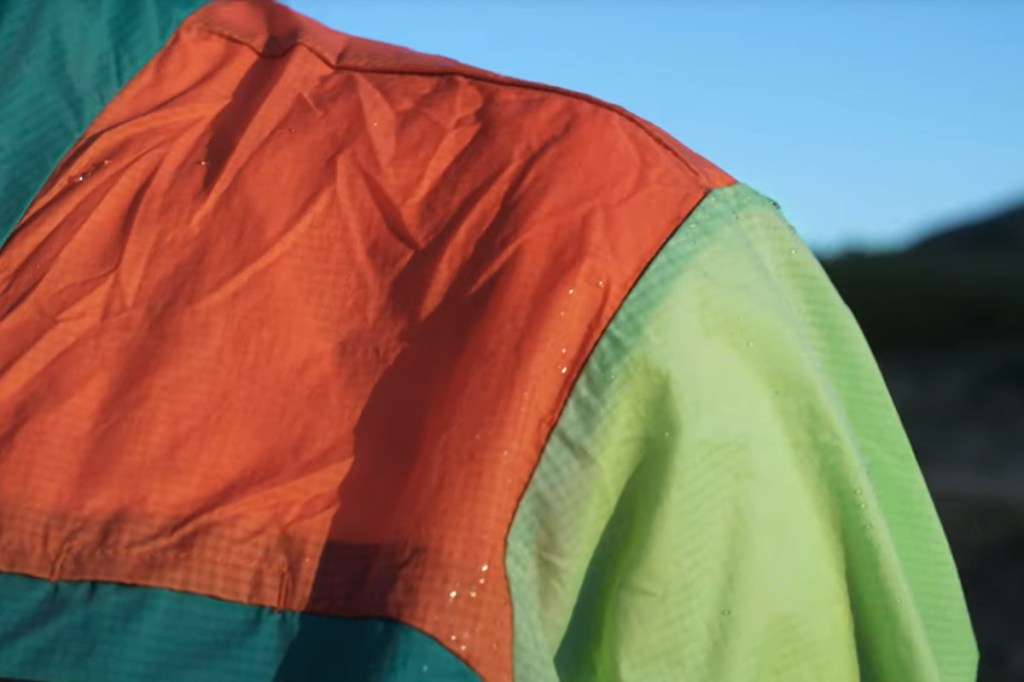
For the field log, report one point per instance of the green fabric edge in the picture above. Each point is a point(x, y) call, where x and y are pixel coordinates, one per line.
point(61, 62)
point(103, 632)
point(728, 493)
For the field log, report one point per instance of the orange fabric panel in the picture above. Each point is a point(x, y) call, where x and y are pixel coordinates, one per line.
point(292, 321)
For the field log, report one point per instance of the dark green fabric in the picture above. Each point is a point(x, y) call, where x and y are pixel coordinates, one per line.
point(61, 61)
point(85, 632)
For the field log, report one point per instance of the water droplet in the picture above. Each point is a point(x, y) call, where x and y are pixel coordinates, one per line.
point(561, 313)
point(750, 344)
point(472, 594)
point(425, 669)
point(291, 130)
point(863, 505)
point(572, 291)
point(86, 174)
point(600, 283)
point(504, 453)
point(667, 434)
point(453, 594)
point(858, 491)
point(483, 568)
point(453, 638)
point(462, 647)
point(201, 163)
point(792, 252)
point(564, 351)
point(482, 580)
point(564, 370)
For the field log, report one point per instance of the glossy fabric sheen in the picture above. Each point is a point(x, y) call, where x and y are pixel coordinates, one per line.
point(58, 69)
point(319, 302)
point(728, 494)
point(61, 631)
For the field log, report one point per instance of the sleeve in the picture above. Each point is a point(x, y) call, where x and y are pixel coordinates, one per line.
point(728, 493)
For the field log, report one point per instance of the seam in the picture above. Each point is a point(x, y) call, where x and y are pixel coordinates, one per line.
point(463, 71)
point(552, 420)
point(63, 556)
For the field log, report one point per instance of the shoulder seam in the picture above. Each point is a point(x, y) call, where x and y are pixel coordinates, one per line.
point(472, 73)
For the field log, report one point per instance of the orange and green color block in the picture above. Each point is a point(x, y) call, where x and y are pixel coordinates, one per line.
point(321, 359)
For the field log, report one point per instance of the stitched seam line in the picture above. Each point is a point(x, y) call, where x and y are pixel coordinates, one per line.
point(465, 72)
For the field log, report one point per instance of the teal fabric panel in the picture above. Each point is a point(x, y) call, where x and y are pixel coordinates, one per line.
point(728, 494)
point(100, 632)
point(61, 61)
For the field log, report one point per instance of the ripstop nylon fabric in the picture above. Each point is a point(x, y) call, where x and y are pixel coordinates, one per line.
point(729, 494)
point(61, 61)
point(321, 302)
point(75, 631)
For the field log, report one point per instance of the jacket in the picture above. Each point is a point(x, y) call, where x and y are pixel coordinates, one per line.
point(321, 359)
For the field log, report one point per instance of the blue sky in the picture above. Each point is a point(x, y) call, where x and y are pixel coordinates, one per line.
point(871, 123)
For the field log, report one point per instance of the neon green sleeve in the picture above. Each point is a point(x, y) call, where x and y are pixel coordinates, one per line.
point(728, 493)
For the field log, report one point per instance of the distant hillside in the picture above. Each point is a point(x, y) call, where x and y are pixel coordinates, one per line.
point(997, 234)
point(952, 288)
